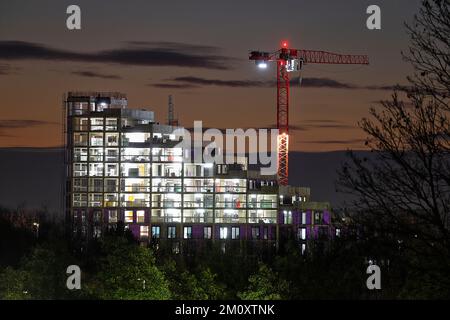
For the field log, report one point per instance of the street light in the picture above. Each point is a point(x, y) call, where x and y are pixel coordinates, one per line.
point(36, 225)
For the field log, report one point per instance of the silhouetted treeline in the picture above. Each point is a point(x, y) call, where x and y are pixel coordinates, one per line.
point(117, 267)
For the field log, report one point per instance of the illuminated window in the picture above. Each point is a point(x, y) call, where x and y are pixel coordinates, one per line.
point(97, 232)
point(134, 137)
point(112, 139)
point(96, 139)
point(80, 124)
point(80, 154)
point(111, 200)
point(171, 232)
point(79, 199)
point(223, 232)
point(207, 232)
point(111, 154)
point(96, 169)
point(303, 217)
point(144, 231)
point(156, 230)
point(95, 199)
point(96, 154)
point(112, 216)
point(96, 124)
point(187, 233)
point(235, 233)
point(338, 232)
point(287, 217)
point(80, 184)
point(80, 139)
point(302, 233)
point(111, 124)
point(129, 216)
point(140, 216)
point(112, 170)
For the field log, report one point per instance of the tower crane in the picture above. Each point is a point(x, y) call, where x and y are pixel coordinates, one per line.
point(291, 60)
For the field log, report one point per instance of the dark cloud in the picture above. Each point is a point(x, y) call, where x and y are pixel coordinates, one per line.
point(6, 125)
point(132, 55)
point(220, 83)
point(292, 127)
point(176, 46)
point(92, 74)
point(387, 87)
point(173, 86)
point(295, 82)
point(321, 83)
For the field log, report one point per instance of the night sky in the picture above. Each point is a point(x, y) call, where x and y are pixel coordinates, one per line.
point(198, 52)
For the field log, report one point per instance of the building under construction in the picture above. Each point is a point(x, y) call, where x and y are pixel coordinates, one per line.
point(123, 166)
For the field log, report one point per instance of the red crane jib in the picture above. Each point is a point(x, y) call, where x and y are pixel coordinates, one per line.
point(281, 57)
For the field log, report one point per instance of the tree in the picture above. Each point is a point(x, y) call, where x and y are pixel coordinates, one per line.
point(127, 271)
point(40, 275)
point(403, 190)
point(429, 52)
point(186, 285)
point(265, 285)
point(12, 284)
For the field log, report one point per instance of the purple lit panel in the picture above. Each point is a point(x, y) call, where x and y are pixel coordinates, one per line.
point(197, 231)
point(135, 230)
point(280, 217)
point(326, 217)
point(296, 217)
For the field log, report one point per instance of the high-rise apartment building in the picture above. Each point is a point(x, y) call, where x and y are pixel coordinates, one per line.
point(124, 166)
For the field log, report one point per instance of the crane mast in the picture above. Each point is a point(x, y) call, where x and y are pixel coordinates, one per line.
point(290, 60)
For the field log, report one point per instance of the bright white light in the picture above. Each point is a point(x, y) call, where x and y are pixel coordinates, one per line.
point(262, 65)
point(208, 165)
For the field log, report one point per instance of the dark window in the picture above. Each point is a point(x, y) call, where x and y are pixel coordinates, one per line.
point(255, 233)
point(97, 216)
point(317, 218)
point(266, 233)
